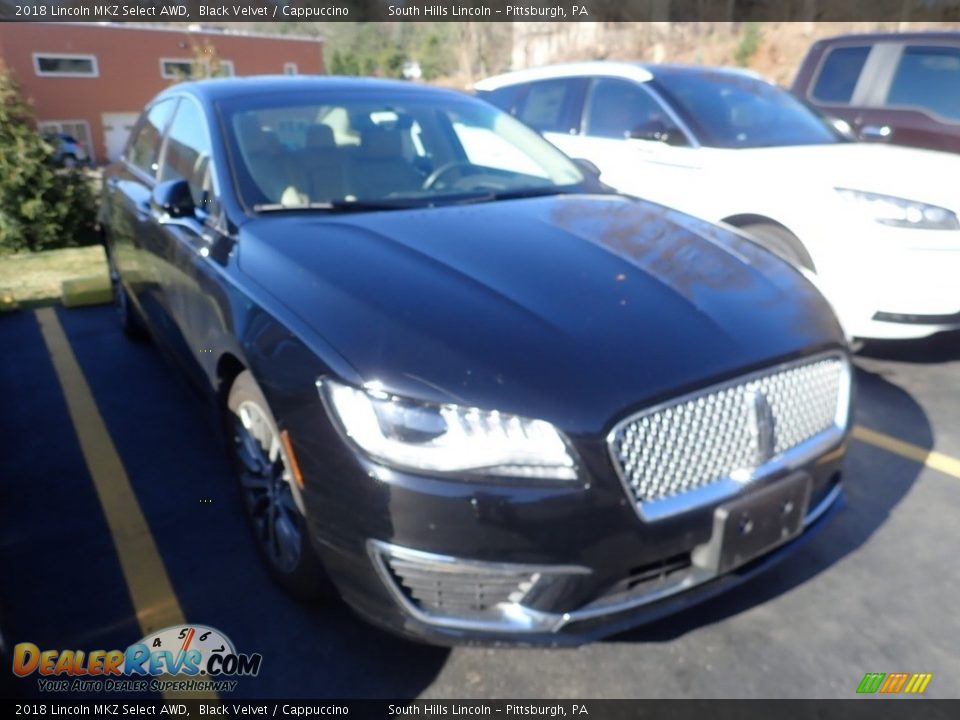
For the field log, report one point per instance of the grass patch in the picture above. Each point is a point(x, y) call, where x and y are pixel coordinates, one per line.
point(36, 278)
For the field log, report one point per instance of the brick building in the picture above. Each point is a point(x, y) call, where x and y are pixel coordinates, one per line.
point(91, 80)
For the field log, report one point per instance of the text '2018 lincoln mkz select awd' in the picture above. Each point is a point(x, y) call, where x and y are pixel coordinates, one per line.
point(465, 385)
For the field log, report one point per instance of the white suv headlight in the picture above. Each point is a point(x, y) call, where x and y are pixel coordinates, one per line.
point(900, 212)
point(447, 438)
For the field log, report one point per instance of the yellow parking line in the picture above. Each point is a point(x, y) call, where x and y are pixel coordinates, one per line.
point(931, 458)
point(151, 591)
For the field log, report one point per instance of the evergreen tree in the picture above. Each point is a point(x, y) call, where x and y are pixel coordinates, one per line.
point(41, 206)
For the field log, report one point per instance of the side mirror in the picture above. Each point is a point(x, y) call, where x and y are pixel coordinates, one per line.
point(587, 168)
point(173, 198)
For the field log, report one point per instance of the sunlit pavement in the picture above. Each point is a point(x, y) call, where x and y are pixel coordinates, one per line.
point(874, 592)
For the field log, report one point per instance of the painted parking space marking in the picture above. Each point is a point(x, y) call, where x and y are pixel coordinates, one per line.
point(148, 583)
point(930, 458)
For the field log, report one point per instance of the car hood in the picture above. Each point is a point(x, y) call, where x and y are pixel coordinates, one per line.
point(920, 175)
point(573, 309)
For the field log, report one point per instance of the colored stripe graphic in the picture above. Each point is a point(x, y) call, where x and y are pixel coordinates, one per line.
point(870, 683)
point(893, 683)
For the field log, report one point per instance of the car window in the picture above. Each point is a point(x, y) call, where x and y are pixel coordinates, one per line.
point(620, 109)
point(483, 146)
point(506, 98)
point(549, 105)
point(839, 74)
point(290, 152)
point(187, 152)
point(144, 149)
point(928, 77)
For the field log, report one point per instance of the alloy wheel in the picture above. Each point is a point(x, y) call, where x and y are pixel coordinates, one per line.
point(265, 480)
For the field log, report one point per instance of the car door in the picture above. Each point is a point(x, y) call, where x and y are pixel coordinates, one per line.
point(635, 140)
point(185, 257)
point(131, 232)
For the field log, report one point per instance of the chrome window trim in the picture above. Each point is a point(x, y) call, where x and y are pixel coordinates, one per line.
point(792, 459)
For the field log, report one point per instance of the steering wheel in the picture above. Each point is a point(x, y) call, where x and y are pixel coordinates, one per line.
point(444, 170)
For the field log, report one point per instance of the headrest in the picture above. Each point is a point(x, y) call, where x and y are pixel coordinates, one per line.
point(381, 144)
point(253, 138)
point(319, 136)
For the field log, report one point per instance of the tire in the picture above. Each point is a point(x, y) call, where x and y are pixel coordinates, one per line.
point(270, 497)
point(780, 241)
point(130, 321)
point(69, 161)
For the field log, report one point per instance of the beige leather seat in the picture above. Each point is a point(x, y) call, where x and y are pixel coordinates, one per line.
point(269, 164)
point(323, 163)
point(379, 168)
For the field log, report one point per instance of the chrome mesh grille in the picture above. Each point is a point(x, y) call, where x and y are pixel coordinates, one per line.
point(727, 430)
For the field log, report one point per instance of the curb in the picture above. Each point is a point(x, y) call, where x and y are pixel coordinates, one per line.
point(8, 303)
point(92, 290)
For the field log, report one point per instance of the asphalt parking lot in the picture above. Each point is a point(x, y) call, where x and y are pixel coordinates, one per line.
point(875, 591)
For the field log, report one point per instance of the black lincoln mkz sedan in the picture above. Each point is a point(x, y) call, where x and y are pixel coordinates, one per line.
point(464, 385)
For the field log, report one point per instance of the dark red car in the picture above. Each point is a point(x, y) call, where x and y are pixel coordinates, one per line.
point(902, 88)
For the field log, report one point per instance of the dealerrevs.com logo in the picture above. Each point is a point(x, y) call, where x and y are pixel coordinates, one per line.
point(185, 658)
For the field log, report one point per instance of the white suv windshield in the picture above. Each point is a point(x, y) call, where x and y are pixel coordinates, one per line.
point(730, 110)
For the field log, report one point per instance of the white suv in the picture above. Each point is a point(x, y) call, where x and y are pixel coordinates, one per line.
point(877, 225)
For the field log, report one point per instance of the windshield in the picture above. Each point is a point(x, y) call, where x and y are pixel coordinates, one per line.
point(365, 151)
point(729, 110)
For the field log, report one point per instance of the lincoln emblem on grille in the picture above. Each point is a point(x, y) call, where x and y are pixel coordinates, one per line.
point(761, 424)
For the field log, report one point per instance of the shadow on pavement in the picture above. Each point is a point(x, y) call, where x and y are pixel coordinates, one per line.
point(868, 504)
point(172, 454)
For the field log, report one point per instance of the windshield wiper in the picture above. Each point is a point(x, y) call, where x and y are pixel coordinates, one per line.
point(527, 193)
point(339, 206)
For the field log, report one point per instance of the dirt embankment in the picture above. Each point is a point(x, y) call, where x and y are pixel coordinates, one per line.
point(773, 49)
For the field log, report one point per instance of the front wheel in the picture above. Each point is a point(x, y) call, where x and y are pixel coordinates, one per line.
point(272, 501)
point(130, 321)
point(780, 241)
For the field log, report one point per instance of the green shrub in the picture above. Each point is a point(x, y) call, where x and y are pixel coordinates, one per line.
point(41, 207)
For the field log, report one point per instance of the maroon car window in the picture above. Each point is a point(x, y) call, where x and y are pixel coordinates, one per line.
point(839, 74)
point(928, 77)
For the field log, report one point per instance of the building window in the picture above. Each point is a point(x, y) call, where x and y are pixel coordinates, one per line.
point(289, 68)
point(65, 65)
point(77, 129)
point(185, 68)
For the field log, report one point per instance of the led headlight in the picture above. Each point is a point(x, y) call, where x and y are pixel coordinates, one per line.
point(899, 212)
point(447, 438)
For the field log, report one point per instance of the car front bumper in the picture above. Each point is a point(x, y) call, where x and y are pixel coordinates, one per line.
point(893, 283)
point(561, 566)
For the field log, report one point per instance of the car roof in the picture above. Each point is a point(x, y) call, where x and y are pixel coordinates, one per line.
point(217, 89)
point(637, 71)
